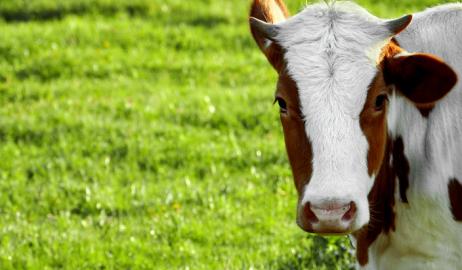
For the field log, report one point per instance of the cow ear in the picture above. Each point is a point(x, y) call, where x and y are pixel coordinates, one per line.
point(264, 14)
point(423, 78)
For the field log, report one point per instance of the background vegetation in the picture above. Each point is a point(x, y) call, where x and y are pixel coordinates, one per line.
point(139, 134)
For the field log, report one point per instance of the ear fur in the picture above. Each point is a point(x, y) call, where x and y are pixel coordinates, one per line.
point(270, 11)
point(423, 78)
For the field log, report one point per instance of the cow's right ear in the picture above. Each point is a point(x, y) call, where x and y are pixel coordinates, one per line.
point(422, 78)
point(263, 14)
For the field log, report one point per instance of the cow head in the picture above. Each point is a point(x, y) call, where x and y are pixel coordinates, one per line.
point(338, 65)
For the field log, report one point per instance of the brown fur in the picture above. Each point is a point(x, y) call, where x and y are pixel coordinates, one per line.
point(455, 198)
point(422, 78)
point(297, 144)
point(391, 74)
point(271, 11)
point(373, 122)
point(401, 166)
point(388, 52)
point(381, 201)
point(425, 111)
point(374, 125)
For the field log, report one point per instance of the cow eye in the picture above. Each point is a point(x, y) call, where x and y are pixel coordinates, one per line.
point(380, 102)
point(282, 104)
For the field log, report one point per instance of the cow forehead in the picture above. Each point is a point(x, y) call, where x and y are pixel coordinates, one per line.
point(344, 21)
point(331, 52)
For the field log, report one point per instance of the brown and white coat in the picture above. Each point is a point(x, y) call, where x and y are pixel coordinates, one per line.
point(372, 117)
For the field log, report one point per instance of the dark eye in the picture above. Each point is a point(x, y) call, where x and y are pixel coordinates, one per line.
point(282, 104)
point(380, 102)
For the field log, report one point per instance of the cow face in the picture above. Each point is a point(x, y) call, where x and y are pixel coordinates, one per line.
point(337, 67)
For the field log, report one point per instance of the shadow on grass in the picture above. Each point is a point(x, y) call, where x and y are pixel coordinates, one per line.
point(206, 21)
point(323, 253)
point(23, 13)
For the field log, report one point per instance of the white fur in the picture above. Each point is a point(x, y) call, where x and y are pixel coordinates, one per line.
point(329, 51)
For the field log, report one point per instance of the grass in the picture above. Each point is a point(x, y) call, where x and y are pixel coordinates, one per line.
point(140, 135)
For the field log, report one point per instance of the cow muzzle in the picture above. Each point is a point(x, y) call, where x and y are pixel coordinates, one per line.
point(327, 217)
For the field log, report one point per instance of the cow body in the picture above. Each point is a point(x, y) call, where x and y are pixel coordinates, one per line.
point(427, 235)
point(372, 117)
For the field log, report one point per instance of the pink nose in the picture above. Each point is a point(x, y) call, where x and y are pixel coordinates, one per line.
point(328, 217)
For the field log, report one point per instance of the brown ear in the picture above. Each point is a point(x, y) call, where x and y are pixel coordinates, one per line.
point(269, 11)
point(423, 78)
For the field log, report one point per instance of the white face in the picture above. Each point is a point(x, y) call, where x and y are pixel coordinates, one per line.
point(331, 55)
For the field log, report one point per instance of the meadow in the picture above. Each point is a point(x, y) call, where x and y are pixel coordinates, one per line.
point(140, 134)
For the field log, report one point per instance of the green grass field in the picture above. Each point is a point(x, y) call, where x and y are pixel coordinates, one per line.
point(141, 135)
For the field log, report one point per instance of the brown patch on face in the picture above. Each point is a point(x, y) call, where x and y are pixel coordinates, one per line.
point(297, 144)
point(381, 202)
point(381, 149)
point(382, 199)
point(455, 198)
point(373, 117)
point(373, 123)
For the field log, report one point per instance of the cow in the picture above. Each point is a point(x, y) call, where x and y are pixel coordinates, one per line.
point(371, 111)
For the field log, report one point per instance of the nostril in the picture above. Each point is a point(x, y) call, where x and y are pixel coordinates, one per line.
point(331, 210)
point(309, 215)
point(350, 213)
point(327, 216)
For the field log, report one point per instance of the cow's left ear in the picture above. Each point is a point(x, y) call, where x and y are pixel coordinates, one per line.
point(423, 78)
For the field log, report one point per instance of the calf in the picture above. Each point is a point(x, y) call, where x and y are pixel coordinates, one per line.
point(372, 118)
